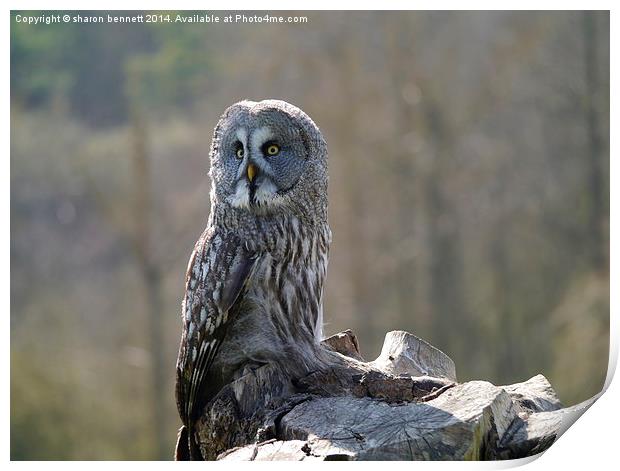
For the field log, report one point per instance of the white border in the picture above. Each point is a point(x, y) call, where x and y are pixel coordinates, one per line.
point(590, 443)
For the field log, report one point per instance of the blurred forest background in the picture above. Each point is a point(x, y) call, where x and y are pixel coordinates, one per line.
point(469, 200)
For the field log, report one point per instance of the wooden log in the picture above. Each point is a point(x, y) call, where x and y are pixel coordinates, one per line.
point(404, 353)
point(536, 432)
point(474, 420)
point(405, 405)
point(243, 411)
point(345, 343)
point(455, 426)
point(534, 395)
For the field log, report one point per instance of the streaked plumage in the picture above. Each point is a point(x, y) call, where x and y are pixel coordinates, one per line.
point(254, 282)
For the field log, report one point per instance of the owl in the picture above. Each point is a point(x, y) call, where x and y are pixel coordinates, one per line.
point(254, 283)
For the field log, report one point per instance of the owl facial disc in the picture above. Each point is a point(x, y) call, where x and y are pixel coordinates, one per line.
point(255, 188)
point(268, 158)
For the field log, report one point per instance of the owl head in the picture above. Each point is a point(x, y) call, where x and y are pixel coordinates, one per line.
point(268, 158)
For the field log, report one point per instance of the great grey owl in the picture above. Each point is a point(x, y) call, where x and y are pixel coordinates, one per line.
point(254, 282)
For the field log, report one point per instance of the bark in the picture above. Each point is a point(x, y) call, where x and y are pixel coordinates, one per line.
point(405, 405)
point(597, 219)
point(150, 273)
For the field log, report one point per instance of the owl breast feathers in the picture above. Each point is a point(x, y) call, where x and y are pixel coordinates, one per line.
point(254, 283)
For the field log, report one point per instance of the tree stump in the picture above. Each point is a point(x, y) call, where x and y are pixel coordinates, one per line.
point(405, 405)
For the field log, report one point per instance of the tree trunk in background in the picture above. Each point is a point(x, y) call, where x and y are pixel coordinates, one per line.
point(353, 192)
point(506, 362)
point(597, 220)
point(151, 278)
point(409, 294)
point(449, 312)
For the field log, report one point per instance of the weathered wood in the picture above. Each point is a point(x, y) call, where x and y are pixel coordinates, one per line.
point(404, 353)
point(536, 432)
point(345, 343)
point(534, 395)
point(270, 450)
point(370, 429)
point(406, 405)
point(363, 428)
point(242, 409)
point(529, 436)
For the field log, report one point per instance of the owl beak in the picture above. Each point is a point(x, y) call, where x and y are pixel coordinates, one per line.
point(252, 171)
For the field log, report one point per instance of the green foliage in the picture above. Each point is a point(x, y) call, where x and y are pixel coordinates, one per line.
point(175, 73)
point(41, 59)
point(40, 428)
point(102, 70)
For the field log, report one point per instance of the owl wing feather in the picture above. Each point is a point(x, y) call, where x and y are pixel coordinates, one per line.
point(217, 274)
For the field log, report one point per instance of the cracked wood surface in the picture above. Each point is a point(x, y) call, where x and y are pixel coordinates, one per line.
point(405, 405)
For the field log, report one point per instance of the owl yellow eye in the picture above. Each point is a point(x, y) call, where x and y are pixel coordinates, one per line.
point(239, 153)
point(273, 149)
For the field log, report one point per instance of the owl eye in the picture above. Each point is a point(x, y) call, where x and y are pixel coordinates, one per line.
point(271, 149)
point(239, 152)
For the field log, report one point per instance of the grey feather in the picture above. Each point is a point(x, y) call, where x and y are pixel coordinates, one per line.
point(254, 283)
